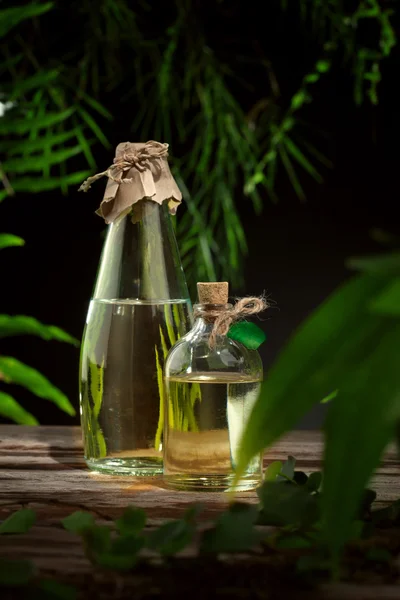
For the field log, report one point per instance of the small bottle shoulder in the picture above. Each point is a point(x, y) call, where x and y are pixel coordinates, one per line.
point(192, 353)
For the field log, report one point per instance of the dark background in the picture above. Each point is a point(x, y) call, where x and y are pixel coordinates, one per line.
point(297, 251)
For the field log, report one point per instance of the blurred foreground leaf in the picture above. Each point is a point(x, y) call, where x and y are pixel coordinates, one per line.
point(234, 531)
point(345, 346)
point(14, 573)
point(19, 522)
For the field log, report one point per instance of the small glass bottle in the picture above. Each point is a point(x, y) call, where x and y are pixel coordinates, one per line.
point(139, 309)
point(209, 395)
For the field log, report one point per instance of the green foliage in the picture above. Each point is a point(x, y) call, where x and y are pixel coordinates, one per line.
point(234, 531)
point(348, 344)
point(15, 573)
point(11, 409)
point(78, 522)
point(248, 334)
point(292, 508)
point(10, 17)
point(49, 589)
point(180, 88)
point(286, 504)
point(171, 537)
point(8, 239)
point(132, 521)
point(119, 553)
point(22, 325)
point(19, 522)
point(13, 371)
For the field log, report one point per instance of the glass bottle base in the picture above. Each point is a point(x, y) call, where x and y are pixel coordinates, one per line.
point(211, 483)
point(137, 467)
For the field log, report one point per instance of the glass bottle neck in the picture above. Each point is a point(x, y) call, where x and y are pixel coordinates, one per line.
point(140, 258)
point(205, 316)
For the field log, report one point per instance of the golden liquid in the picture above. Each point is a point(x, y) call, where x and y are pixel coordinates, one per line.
point(121, 382)
point(206, 414)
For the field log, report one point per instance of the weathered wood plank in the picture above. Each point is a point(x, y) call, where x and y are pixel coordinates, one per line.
point(43, 467)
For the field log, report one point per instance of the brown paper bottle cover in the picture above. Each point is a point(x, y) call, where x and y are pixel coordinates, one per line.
point(139, 171)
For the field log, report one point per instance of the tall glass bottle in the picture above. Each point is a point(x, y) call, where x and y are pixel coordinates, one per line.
point(139, 309)
point(210, 392)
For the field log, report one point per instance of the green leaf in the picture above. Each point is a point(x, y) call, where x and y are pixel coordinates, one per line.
point(234, 531)
point(300, 478)
point(49, 589)
point(123, 554)
point(360, 424)
point(293, 542)
point(22, 325)
point(171, 537)
point(14, 371)
point(10, 17)
point(311, 78)
point(85, 146)
point(285, 504)
point(247, 334)
point(272, 471)
point(97, 540)
point(78, 522)
point(299, 99)
point(329, 397)
point(388, 516)
point(323, 66)
point(4, 194)
point(21, 126)
point(15, 573)
point(380, 555)
point(294, 180)
point(36, 163)
point(311, 364)
point(28, 146)
point(19, 522)
point(39, 80)
point(368, 498)
point(41, 184)
point(301, 159)
point(12, 410)
point(132, 521)
point(8, 239)
point(388, 301)
point(382, 264)
point(312, 563)
point(91, 123)
point(314, 482)
point(95, 105)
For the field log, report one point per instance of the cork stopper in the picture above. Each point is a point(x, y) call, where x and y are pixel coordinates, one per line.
point(213, 293)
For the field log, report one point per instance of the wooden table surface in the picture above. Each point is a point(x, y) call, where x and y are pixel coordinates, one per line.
point(43, 468)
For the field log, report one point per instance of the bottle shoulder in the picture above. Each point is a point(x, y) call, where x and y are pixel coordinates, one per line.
point(193, 354)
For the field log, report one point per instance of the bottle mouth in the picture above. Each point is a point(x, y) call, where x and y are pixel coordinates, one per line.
point(209, 310)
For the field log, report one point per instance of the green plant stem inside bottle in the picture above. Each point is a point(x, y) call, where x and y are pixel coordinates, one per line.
point(140, 308)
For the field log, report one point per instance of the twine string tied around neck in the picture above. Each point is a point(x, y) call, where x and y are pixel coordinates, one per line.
point(128, 159)
point(223, 319)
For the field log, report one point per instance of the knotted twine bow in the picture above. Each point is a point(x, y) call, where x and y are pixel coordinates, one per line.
point(125, 161)
point(223, 320)
point(147, 171)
